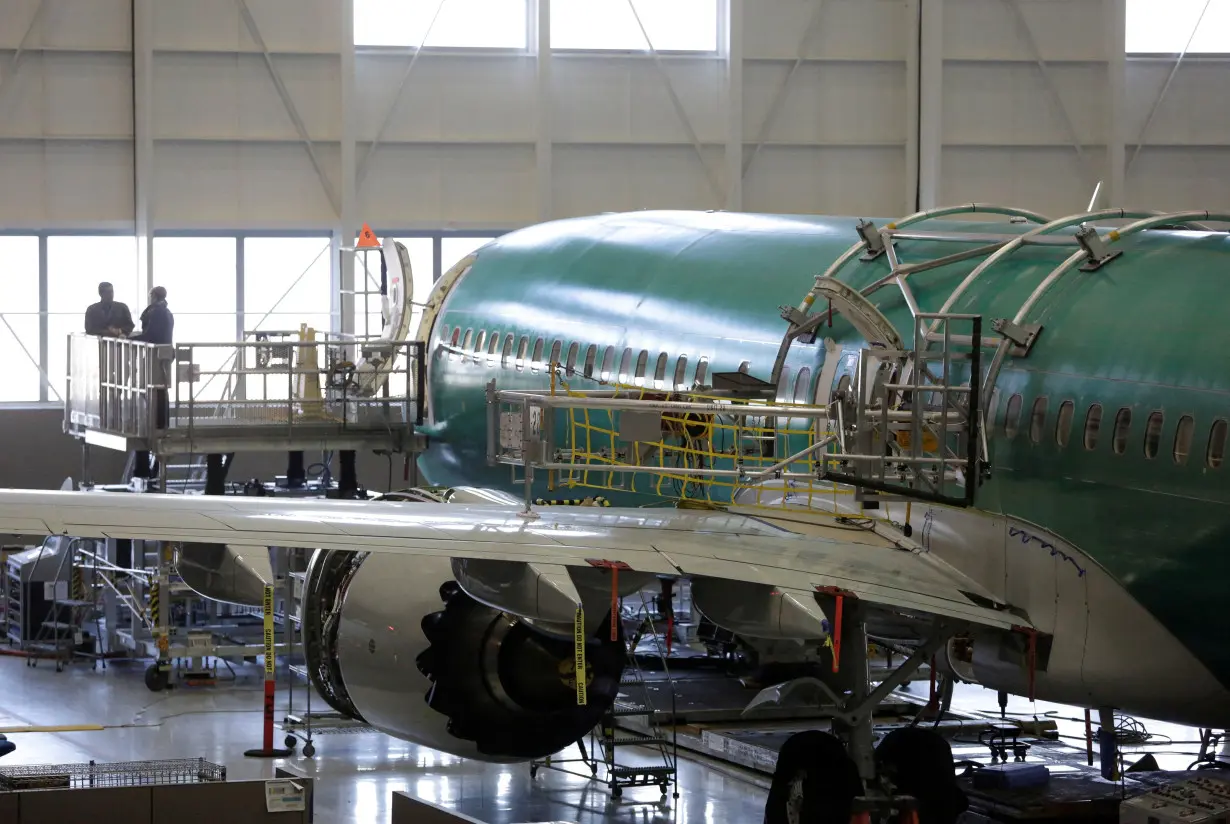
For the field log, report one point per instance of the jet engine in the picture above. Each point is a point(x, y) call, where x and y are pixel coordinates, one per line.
point(394, 641)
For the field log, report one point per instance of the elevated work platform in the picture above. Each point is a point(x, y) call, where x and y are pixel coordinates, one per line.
point(275, 391)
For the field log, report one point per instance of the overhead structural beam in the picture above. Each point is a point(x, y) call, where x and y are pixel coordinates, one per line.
point(544, 144)
point(254, 30)
point(365, 164)
point(734, 104)
point(1115, 17)
point(930, 93)
point(349, 221)
point(779, 96)
point(718, 194)
point(1161, 95)
point(1052, 88)
point(143, 138)
point(22, 45)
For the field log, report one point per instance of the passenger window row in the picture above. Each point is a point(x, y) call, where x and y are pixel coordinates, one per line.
point(1215, 453)
point(496, 346)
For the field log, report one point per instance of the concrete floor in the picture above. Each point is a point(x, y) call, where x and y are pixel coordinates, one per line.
point(355, 772)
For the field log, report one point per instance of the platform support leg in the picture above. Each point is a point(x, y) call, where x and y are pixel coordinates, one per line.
point(1108, 744)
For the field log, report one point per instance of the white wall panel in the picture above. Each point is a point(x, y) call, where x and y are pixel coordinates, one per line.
point(69, 94)
point(204, 96)
point(65, 183)
point(624, 100)
point(856, 30)
point(216, 25)
point(590, 179)
point(827, 103)
point(206, 184)
point(1180, 177)
point(448, 98)
point(69, 24)
point(448, 186)
point(840, 181)
point(1049, 180)
point(988, 30)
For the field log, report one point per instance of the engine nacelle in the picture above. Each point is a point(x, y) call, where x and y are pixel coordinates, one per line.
point(393, 640)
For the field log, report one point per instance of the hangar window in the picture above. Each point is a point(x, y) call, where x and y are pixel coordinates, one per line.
point(1178, 26)
point(1217, 445)
point(642, 361)
point(573, 350)
point(625, 366)
point(1012, 416)
point(591, 358)
point(608, 363)
point(1123, 428)
point(659, 371)
point(444, 24)
point(1183, 439)
point(1063, 423)
point(1037, 418)
point(1153, 434)
point(506, 355)
point(1093, 426)
point(802, 386)
point(639, 25)
point(702, 372)
point(523, 349)
point(536, 356)
point(681, 372)
point(19, 320)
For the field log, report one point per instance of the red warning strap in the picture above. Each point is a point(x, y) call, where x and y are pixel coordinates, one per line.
point(614, 567)
point(840, 595)
point(1031, 636)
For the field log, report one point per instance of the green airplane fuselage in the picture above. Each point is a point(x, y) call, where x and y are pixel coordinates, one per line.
point(1144, 333)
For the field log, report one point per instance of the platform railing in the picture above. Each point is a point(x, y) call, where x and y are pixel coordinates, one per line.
point(273, 383)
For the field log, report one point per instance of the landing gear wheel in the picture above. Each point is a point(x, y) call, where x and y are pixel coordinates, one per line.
point(919, 763)
point(309, 749)
point(815, 782)
point(156, 679)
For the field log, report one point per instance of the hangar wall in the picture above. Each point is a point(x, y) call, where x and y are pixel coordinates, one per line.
point(211, 116)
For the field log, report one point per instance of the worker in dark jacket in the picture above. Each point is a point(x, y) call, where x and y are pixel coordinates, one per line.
point(157, 322)
point(108, 318)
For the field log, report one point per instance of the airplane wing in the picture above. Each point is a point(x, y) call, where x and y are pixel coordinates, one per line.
point(664, 541)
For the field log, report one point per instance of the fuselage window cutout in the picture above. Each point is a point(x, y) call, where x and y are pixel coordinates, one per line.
point(591, 358)
point(1037, 419)
point(743, 367)
point(642, 361)
point(493, 346)
point(523, 349)
point(1093, 426)
point(1123, 428)
point(681, 372)
point(702, 372)
point(444, 333)
point(556, 348)
point(506, 355)
point(570, 365)
point(536, 355)
point(659, 371)
point(783, 385)
point(442, 344)
point(1217, 445)
point(1153, 434)
point(465, 343)
point(1183, 439)
point(608, 363)
point(625, 366)
point(802, 385)
point(991, 410)
point(1012, 417)
point(479, 342)
point(843, 388)
point(1063, 423)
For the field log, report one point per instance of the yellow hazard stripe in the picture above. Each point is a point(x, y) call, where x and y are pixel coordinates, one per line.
point(578, 639)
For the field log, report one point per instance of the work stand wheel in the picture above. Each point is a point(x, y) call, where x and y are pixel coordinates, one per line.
point(919, 763)
point(291, 742)
point(309, 749)
point(815, 782)
point(156, 678)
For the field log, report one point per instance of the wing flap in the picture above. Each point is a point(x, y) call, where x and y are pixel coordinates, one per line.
point(658, 541)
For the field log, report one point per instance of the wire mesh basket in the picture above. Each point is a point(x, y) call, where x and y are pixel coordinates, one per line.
point(116, 774)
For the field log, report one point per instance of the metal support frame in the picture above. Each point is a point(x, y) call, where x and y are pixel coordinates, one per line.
point(543, 145)
point(22, 44)
point(249, 21)
point(734, 104)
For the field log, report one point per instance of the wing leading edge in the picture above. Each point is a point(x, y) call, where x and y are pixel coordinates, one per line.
point(662, 541)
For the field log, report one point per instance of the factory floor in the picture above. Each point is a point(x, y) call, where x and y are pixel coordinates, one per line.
point(355, 773)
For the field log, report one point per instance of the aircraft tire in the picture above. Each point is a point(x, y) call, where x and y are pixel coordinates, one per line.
point(919, 762)
point(815, 782)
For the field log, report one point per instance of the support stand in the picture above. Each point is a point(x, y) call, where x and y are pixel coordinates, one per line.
point(268, 750)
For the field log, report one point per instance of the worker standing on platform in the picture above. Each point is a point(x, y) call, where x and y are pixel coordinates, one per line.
point(108, 318)
point(157, 322)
